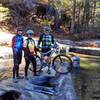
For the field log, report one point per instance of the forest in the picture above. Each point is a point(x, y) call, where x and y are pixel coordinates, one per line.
point(77, 18)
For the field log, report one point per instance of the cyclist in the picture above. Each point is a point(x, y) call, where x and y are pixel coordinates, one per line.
point(46, 41)
point(17, 46)
point(29, 51)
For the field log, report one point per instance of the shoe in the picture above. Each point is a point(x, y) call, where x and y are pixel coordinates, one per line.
point(19, 77)
point(49, 72)
point(36, 75)
point(26, 78)
point(15, 80)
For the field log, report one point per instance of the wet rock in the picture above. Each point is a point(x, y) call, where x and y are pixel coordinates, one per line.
point(27, 95)
point(64, 89)
point(25, 88)
point(41, 88)
point(41, 80)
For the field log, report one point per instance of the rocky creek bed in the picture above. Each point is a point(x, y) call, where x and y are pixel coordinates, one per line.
point(85, 86)
point(43, 87)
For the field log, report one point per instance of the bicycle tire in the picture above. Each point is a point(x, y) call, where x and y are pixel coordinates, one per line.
point(66, 66)
point(38, 64)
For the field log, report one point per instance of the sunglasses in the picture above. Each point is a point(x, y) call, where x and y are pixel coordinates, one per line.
point(29, 34)
point(47, 30)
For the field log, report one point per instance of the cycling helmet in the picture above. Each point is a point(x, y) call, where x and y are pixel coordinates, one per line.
point(47, 28)
point(19, 29)
point(29, 32)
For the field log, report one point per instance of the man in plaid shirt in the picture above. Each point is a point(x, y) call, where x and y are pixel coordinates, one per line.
point(46, 41)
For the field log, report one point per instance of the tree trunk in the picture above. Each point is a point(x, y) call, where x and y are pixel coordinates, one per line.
point(93, 14)
point(73, 16)
point(78, 21)
point(86, 15)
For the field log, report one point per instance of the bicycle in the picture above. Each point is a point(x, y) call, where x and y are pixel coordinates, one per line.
point(61, 63)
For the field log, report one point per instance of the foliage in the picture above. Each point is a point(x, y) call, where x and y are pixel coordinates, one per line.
point(3, 13)
point(64, 4)
point(86, 14)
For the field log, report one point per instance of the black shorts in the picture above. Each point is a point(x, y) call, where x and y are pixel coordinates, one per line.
point(46, 50)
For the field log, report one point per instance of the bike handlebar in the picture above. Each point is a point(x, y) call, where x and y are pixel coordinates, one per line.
point(52, 50)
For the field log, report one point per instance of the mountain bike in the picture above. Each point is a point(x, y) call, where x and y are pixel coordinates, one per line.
point(61, 63)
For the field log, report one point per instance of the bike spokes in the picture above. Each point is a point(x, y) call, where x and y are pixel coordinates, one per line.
point(62, 64)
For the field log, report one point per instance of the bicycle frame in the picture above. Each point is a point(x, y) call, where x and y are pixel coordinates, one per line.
point(58, 67)
point(52, 51)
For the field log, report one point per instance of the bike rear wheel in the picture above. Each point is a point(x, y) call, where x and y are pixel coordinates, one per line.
point(38, 64)
point(62, 64)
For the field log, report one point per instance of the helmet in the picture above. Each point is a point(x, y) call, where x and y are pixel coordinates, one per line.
point(19, 29)
point(29, 32)
point(47, 28)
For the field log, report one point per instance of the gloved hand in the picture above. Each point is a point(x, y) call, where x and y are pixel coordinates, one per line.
point(39, 49)
point(26, 57)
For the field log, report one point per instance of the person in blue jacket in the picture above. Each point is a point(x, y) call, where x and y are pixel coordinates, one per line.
point(17, 47)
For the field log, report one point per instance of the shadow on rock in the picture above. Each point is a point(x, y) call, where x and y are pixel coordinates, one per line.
point(10, 95)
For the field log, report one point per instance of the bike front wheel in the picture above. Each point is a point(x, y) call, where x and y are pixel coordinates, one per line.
point(62, 64)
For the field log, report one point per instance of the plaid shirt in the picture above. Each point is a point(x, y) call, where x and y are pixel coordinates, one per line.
point(46, 40)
